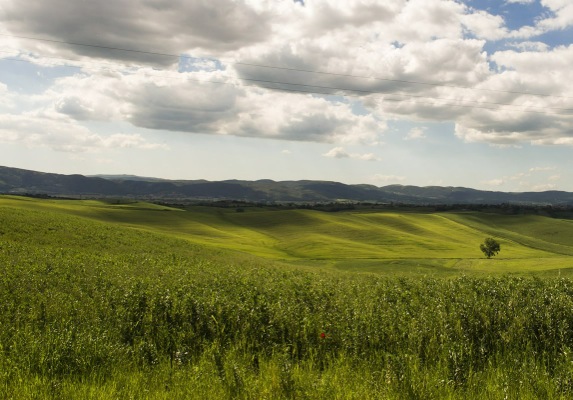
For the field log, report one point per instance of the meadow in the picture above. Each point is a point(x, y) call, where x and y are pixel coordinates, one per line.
point(103, 301)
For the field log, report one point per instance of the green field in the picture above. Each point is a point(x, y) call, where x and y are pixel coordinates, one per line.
point(105, 301)
point(373, 241)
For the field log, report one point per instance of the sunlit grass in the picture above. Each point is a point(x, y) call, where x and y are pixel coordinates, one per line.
point(346, 239)
point(104, 301)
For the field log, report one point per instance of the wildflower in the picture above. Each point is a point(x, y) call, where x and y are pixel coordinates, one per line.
point(323, 335)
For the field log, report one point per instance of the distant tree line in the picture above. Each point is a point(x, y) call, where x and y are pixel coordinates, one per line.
point(551, 210)
point(556, 211)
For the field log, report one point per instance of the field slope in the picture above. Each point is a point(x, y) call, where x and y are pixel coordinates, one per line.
point(361, 240)
point(108, 301)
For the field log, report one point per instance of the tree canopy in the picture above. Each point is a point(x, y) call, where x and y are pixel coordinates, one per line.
point(490, 247)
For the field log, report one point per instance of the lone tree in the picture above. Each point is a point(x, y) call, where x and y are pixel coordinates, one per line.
point(490, 247)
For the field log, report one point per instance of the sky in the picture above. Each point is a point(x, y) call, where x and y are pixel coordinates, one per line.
point(474, 93)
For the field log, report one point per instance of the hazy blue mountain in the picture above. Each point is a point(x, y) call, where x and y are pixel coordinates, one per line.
point(14, 180)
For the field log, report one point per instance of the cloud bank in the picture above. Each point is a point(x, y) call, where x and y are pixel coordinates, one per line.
point(422, 60)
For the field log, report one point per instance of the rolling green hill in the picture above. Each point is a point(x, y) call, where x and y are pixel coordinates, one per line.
point(374, 241)
point(137, 300)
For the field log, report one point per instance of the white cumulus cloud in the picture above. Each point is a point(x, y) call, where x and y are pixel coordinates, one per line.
point(388, 178)
point(494, 182)
point(416, 133)
point(421, 60)
point(340, 152)
point(63, 134)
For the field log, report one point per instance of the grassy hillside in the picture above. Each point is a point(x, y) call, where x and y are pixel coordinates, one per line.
point(107, 301)
point(374, 241)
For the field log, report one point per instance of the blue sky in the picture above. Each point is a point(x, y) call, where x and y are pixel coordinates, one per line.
point(516, 14)
point(475, 93)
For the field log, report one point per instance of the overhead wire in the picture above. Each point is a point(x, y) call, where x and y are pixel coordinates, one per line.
point(336, 91)
point(183, 56)
point(479, 105)
point(403, 81)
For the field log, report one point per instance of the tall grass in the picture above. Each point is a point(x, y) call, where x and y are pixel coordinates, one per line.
point(89, 310)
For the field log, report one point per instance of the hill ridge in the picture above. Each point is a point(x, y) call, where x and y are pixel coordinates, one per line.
point(22, 181)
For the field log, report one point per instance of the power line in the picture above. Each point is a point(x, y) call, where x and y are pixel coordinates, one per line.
point(478, 105)
point(92, 45)
point(406, 95)
point(403, 81)
point(483, 105)
point(183, 56)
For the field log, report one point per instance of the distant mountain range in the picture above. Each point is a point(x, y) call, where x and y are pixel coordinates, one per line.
point(20, 181)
